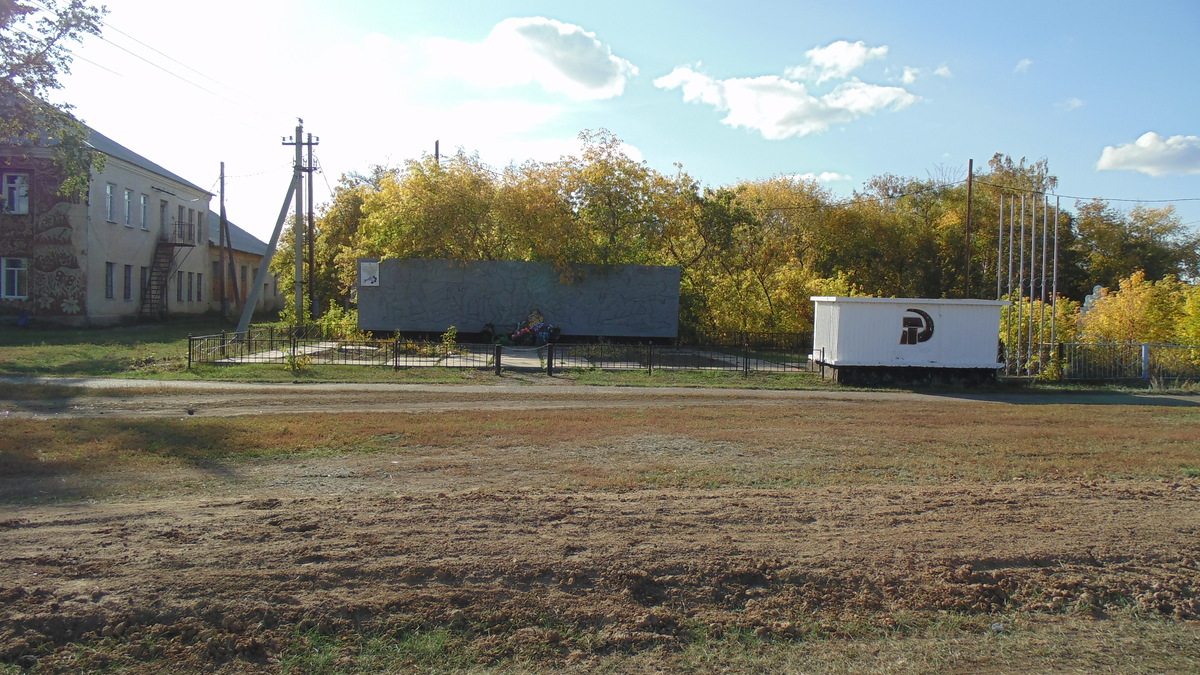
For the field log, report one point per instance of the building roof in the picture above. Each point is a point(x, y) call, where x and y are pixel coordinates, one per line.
point(112, 148)
point(239, 239)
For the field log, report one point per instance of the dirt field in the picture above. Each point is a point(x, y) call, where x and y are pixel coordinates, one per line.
point(561, 526)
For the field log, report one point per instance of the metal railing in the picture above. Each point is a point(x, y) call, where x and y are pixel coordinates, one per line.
point(651, 357)
point(302, 348)
point(1130, 361)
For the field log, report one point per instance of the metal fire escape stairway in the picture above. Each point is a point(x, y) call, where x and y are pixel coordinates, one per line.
point(154, 295)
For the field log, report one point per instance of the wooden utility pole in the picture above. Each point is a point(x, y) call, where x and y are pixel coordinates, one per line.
point(226, 254)
point(221, 249)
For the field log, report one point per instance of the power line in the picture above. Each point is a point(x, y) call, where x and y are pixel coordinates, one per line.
point(1105, 199)
point(168, 56)
point(858, 200)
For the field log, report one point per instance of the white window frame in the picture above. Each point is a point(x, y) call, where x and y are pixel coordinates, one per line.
point(128, 207)
point(16, 192)
point(110, 196)
point(145, 202)
point(15, 273)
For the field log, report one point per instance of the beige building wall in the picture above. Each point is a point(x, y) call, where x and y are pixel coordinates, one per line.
point(245, 267)
point(129, 211)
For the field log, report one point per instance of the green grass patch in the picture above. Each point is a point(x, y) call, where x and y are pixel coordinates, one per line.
point(1126, 642)
point(716, 379)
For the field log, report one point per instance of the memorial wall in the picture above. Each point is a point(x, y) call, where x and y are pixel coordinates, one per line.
point(429, 296)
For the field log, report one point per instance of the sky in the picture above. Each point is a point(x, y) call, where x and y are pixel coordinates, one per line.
point(838, 92)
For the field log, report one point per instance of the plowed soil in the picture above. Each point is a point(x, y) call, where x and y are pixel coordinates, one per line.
point(225, 574)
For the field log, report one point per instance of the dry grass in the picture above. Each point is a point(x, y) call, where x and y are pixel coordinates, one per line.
point(823, 443)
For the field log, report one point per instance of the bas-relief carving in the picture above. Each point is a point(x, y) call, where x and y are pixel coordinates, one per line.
point(46, 237)
point(431, 295)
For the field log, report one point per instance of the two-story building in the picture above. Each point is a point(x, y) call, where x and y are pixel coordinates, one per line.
point(135, 246)
point(241, 255)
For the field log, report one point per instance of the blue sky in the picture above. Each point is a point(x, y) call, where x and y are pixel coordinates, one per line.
point(842, 92)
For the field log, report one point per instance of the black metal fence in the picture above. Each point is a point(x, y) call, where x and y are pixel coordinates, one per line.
point(651, 357)
point(298, 349)
point(740, 352)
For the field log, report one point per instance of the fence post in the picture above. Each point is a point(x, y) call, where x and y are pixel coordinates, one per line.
point(1145, 361)
point(650, 359)
point(498, 350)
point(746, 359)
point(223, 341)
point(549, 359)
point(189, 366)
point(396, 354)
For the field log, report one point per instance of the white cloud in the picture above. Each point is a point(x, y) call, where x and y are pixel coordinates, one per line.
point(1154, 155)
point(835, 61)
point(780, 108)
point(823, 177)
point(943, 71)
point(560, 57)
point(1022, 66)
point(910, 75)
point(1069, 104)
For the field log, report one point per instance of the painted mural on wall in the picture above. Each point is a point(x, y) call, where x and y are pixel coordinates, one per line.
point(47, 239)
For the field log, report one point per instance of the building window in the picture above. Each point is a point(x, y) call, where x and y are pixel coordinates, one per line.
point(110, 282)
point(145, 212)
point(179, 225)
point(16, 193)
point(163, 210)
point(191, 280)
point(199, 286)
point(191, 236)
point(179, 286)
point(110, 196)
point(127, 290)
point(128, 207)
point(201, 227)
point(15, 283)
point(145, 281)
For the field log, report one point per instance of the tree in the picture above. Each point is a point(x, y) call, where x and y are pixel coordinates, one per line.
point(1113, 244)
point(35, 40)
point(1139, 311)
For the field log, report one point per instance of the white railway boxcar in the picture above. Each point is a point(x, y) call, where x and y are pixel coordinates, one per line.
point(880, 340)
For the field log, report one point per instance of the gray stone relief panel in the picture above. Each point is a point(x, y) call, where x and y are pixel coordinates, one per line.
point(432, 295)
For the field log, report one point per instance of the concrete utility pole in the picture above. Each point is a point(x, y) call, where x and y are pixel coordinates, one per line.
point(264, 267)
point(312, 224)
point(298, 227)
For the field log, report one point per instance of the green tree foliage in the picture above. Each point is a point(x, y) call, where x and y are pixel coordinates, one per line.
point(1114, 244)
point(35, 49)
point(435, 209)
point(751, 255)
